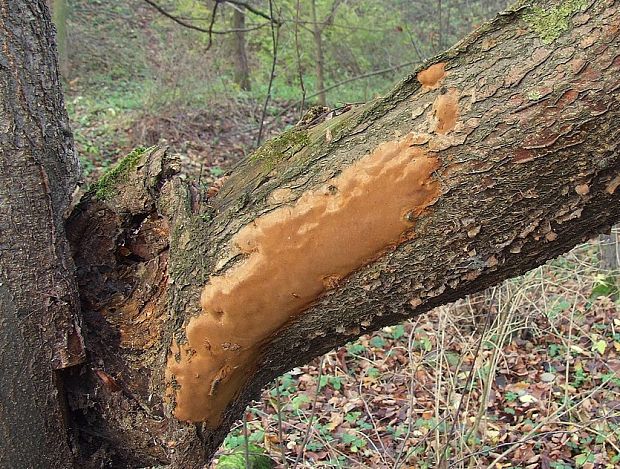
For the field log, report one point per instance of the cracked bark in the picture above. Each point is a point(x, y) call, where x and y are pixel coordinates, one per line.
point(38, 291)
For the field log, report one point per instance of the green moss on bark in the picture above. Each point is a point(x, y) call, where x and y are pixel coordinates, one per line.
point(279, 147)
point(106, 185)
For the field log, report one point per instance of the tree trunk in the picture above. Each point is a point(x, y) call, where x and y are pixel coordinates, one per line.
point(489, 160)
point(38, 292)
point(608, 261)
point(242, 70)
point(320, 65)
point(608, 245)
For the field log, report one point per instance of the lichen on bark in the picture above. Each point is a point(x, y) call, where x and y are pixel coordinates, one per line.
point(550, 23)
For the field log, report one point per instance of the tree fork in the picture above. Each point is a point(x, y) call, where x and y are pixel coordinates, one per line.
point(486, 162)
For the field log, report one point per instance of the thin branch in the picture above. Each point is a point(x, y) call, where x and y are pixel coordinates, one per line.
point(210, 30)
point(225, 31)
point(251, 9)
point(176, 19)
point(344, 82)
point(365, 75)
point(213, 14)
point(240, 30)
point(184, 21)
point(342, 26)
point(330, 18)
point(414, 43)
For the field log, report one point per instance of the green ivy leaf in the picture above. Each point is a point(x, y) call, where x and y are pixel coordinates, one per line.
point(236, 460)
point(600, 346)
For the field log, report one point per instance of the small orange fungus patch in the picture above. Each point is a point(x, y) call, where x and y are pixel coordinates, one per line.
point(582, 189)
point(294, 254)
point(446, 108)
point(432, 76)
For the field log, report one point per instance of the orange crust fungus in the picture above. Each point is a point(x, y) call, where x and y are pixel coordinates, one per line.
point(431, 77)
point(582, 189)
point(446, 107)
point(293, 255)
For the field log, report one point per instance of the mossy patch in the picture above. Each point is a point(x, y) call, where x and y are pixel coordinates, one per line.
point(276, 149)
point(105, 186)
point(550, 23)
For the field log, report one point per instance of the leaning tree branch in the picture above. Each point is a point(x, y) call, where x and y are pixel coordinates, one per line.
point(489, 160)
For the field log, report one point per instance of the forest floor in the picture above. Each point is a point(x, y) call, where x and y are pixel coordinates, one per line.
point(524, 375)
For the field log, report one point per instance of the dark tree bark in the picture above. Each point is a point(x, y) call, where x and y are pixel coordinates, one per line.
point(38, 292)
point(489, 160)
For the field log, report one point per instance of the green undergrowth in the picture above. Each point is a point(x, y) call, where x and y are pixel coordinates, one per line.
point(257, 459)
point(99, 118)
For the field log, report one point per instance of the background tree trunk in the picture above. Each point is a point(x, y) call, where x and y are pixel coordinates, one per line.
point(608, 260)
point(496, 156)
point(38, 293)
point(609, 251)
point(59, 9)
point(242, 70)
point(320, 63)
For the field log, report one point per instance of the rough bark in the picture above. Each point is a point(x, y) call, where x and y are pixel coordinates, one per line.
point(38, 292)
point(508, 144)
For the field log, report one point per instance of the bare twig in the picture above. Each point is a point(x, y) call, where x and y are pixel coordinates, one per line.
point(211, 23)
point(176, 19)
point(185, 21)
point(251, 9)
